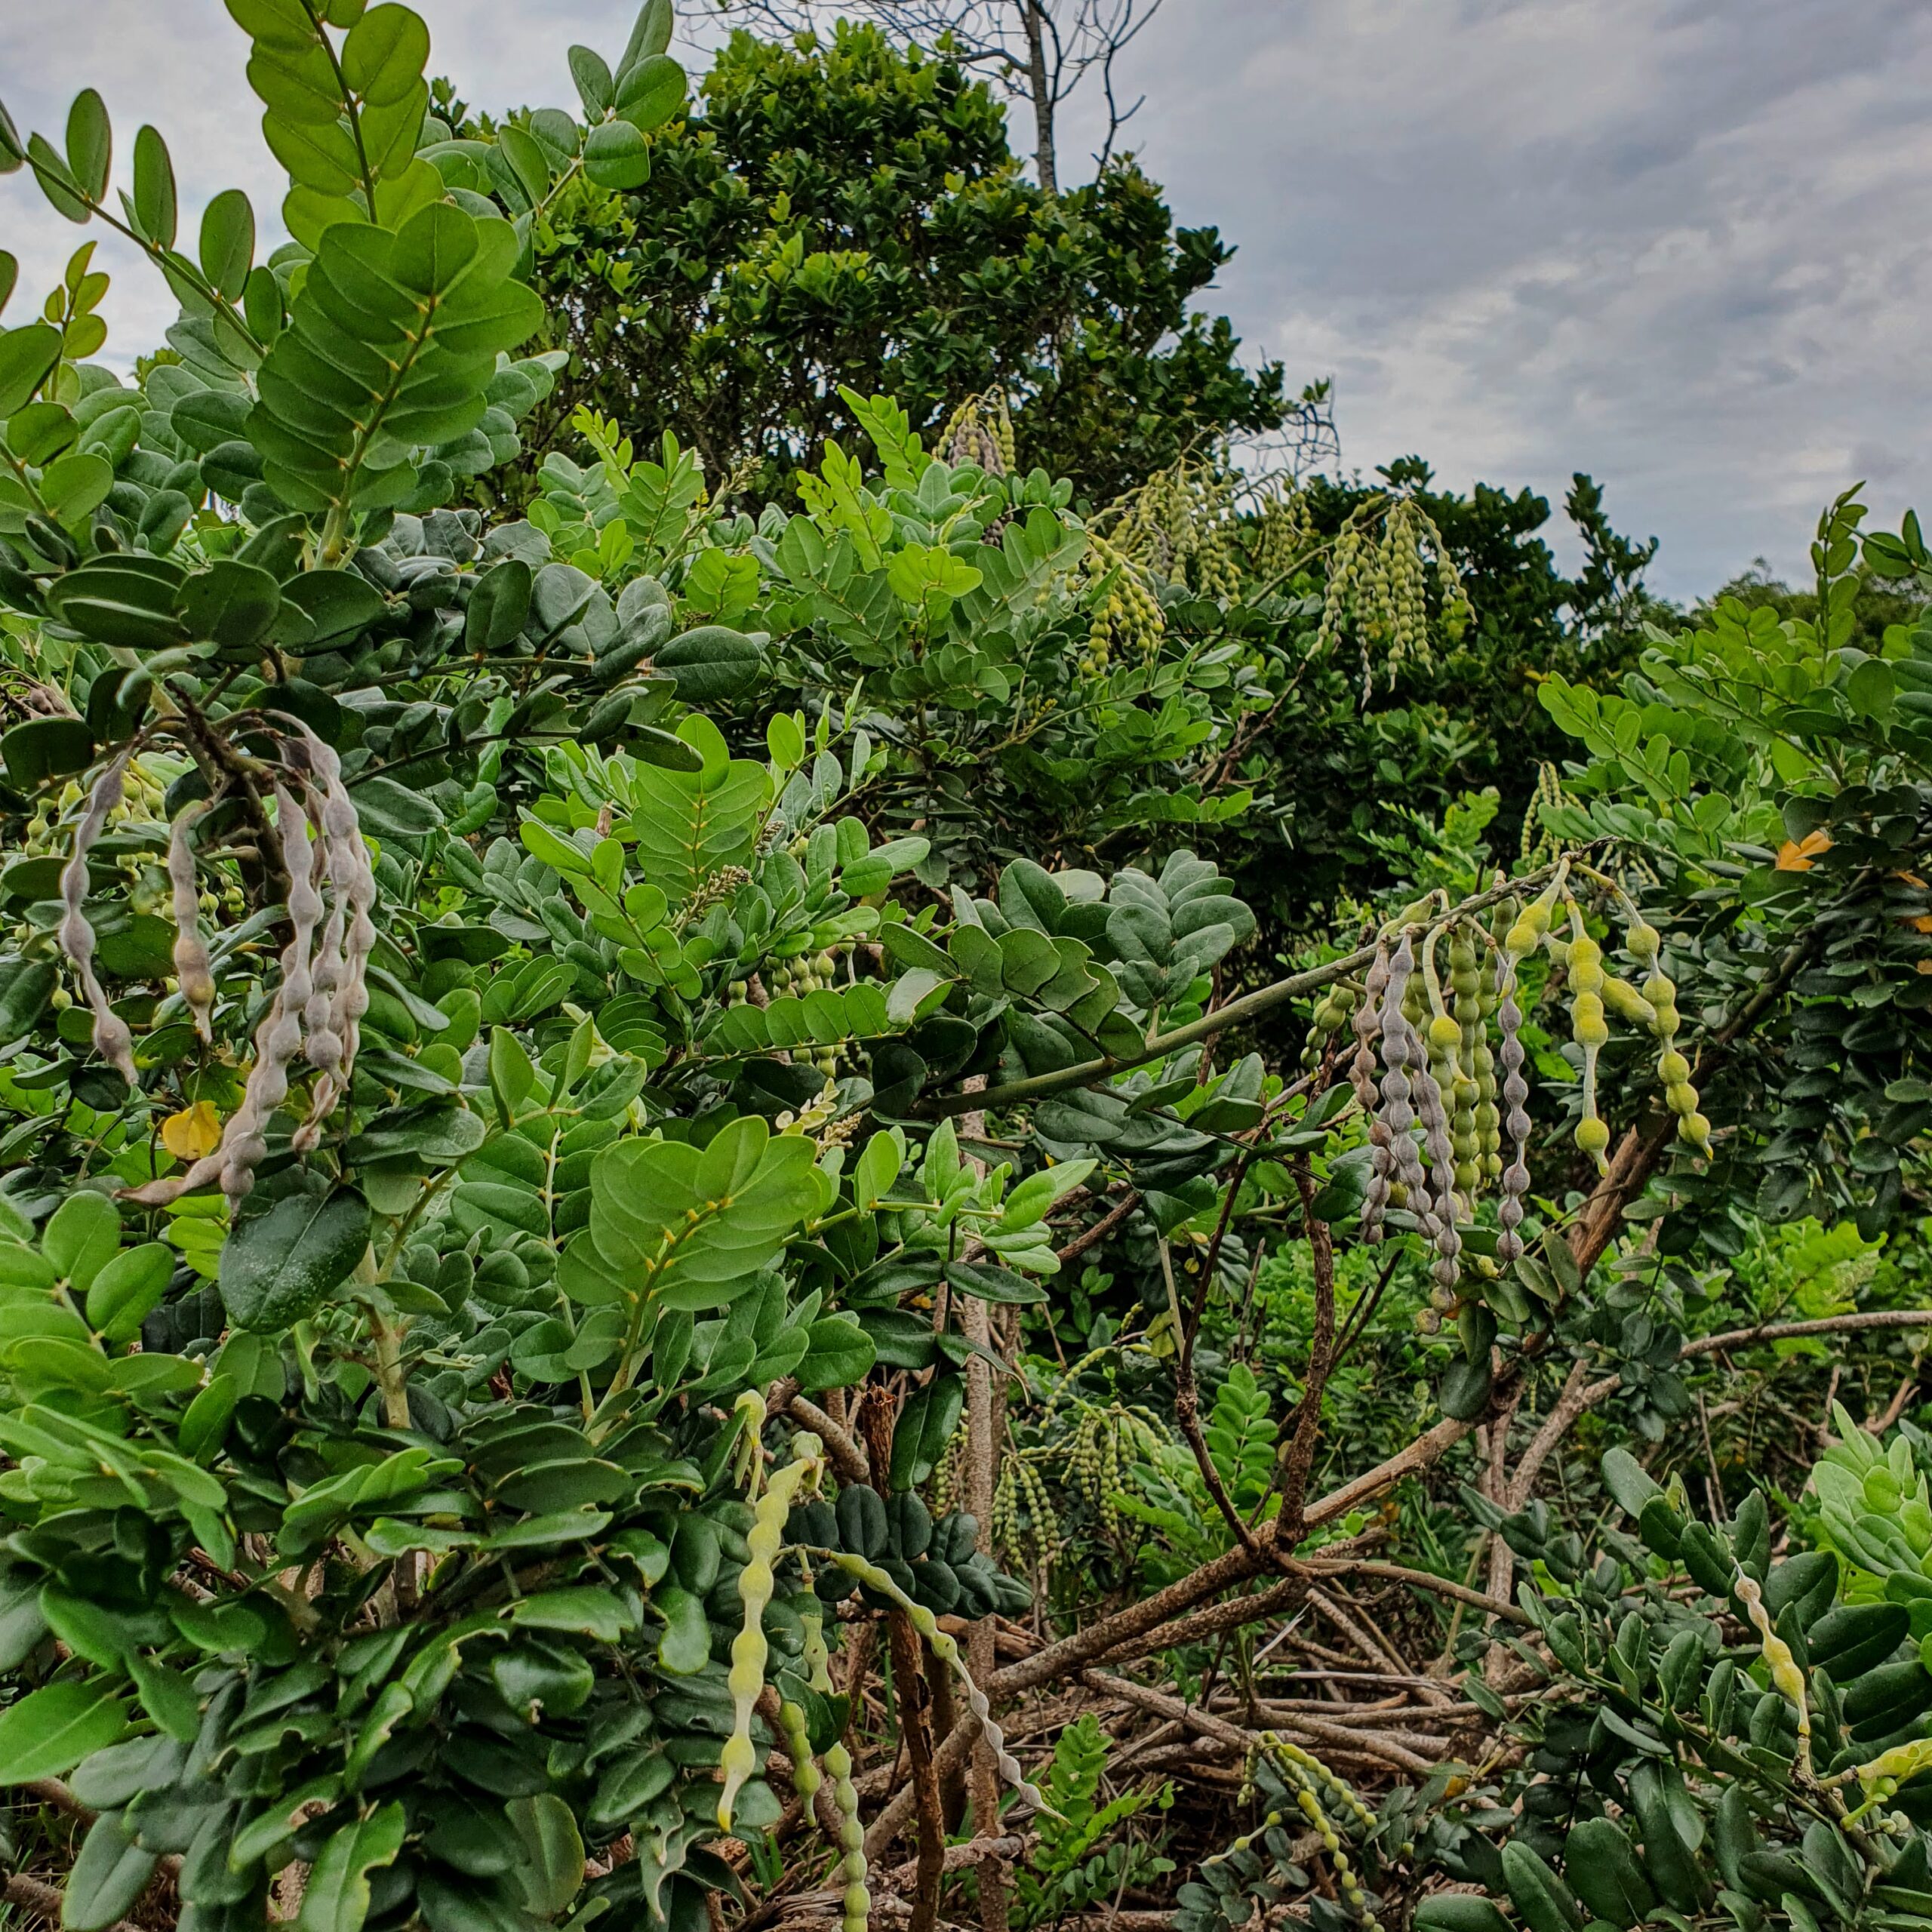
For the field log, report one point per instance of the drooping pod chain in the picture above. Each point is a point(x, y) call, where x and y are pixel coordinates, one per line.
point(1786, 1678)
point(857, 1901)
point(1400, 1050)
point(756, 1581)
point(1645, 944)
point(112, 1039)
point(323, 991)
point(1361, 1076)
point(1590, 1031)
point(947, 1651)
point(193, 970)
point(1311, 1780)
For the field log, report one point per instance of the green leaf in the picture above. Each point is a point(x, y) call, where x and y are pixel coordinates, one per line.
point(167, 1697)
point(127, 1288)
point(90, 143)
point(650, 92)
point(526, 160)
point(594, 86)
point(27, 357)
point(336, 1899)
point(391, 347)
point(282, 1262)
point(551, 1871)
point(384, 55)
point(651, 34)
point(110, 1872)
point(44, 748)
point(1872, 690)
point(26, 986)
point(684, 1649)
point(156, 211)
point(617, 156)
point(233, 604)
point(228, 242)
point(47, 1732)
point(81, 1238)
point(924, 1427)
point(586, 1611)
point(838, 1355)
point(988, 1282)
point(699, 1225)
point(712, 664)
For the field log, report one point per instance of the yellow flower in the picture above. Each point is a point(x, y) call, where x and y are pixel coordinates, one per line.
point(1797, 856)
point(194, 1131)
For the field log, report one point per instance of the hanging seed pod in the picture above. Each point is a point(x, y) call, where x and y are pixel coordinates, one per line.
point(1516, 1177)
point(194, 972)
point(1673, 1069)
point(942, 1647)
point(1590, 1031)
point(1402, 1051)
point(749, 1648)
point(112, 1039)
point(1367, 1021)
point(806, 1777)
point(1465, 985)
point(353, 877)
point(1489, 1139)
point(857, 1901)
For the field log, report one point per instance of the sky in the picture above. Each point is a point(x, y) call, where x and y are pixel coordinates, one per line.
point(1674, 243)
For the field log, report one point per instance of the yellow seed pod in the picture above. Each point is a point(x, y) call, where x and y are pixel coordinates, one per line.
point(1642, 941)
point(1695, 1130)
point(1588, 1027)
point(1593, 1136)
point(1585, 962)
point(766, 1537)
point(1626, 1002)
point(1445, 1034)
point(1674, 1070)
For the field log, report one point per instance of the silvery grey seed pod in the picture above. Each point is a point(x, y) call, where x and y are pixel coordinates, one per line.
point(194, 972)
point(1401, 1049)
point(1361, 1076)
point(354, 878)
point(112, 1039)
point(1367, 1026)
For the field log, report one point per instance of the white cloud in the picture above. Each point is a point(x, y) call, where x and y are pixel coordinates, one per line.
point(1669, 243)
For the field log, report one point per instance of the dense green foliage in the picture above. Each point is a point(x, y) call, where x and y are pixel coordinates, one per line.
point(666, 1153)
point(845, 213)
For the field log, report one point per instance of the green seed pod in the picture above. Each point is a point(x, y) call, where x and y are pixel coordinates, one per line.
point(745, 1679)
point(871, 1576)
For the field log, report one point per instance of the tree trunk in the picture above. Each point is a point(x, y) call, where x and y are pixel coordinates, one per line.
point(1039, 85)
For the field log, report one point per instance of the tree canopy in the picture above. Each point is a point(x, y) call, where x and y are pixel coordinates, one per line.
point(843, 211)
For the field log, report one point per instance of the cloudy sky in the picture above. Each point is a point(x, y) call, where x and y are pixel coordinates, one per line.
point(1676, 243)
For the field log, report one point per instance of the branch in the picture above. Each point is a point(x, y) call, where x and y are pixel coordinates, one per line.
point(1421, 1579)
point(1288, 1522)
point(847, 1453)
point(1829, 1324)
point(1093, 1237)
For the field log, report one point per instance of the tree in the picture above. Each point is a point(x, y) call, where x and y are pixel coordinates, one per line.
point(1040, 51)
point(847, 212)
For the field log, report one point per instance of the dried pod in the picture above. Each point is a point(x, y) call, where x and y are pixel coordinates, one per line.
point(194, 971)
point(1401, 1051)
point(112, 1039)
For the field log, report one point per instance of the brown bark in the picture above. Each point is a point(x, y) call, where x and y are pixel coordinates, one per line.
point(912, 1698)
